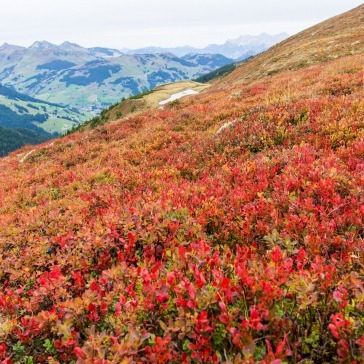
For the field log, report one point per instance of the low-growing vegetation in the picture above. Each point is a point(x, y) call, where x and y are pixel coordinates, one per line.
point(156, 239)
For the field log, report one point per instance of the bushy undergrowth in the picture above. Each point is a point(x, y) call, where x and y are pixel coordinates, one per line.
point(158, 239)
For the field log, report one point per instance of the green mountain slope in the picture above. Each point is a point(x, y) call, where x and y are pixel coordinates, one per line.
point(22, 111)
point(220, 72)
point(12, 139)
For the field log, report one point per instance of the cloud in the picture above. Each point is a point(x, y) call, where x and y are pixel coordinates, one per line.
point(159, 22)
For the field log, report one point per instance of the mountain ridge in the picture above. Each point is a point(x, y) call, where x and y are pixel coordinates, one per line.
point(262, 39)
point(243, 46)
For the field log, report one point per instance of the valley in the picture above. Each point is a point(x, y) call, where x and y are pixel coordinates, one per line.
point(88, 81)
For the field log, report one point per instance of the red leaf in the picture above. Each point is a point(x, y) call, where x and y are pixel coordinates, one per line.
point(222, 306)
point(117, 307)
point(225, 282)
point(224, 318)
point(131, 238)
point(79, 353)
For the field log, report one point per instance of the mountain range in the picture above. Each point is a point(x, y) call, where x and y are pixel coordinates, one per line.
point(87, 80)
point(237, 49)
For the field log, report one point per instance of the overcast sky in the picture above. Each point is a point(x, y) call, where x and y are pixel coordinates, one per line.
point(139, 23)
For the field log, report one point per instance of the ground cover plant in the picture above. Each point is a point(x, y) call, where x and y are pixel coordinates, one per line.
point(226, 228)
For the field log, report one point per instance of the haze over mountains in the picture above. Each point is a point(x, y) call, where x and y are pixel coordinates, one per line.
point(237, 49)
point(90, 79)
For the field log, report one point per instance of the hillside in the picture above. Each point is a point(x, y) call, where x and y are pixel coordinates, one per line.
point(226, 228)
point(338, 37)
point(22, 111)
point(13, 139)
point(91, 79)
point(148, 100)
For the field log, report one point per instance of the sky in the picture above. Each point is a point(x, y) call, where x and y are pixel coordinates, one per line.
point(166, 23)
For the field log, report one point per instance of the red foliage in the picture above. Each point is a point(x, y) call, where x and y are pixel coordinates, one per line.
point(166, 237)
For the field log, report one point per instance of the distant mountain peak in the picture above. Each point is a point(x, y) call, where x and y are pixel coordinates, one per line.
point(70, 46)
point(262, 39)
point(105, 52)
point(42, 45)
point(7, 46)
point(240, 48)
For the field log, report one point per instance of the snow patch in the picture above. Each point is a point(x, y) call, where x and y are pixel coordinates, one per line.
point(178, 96)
